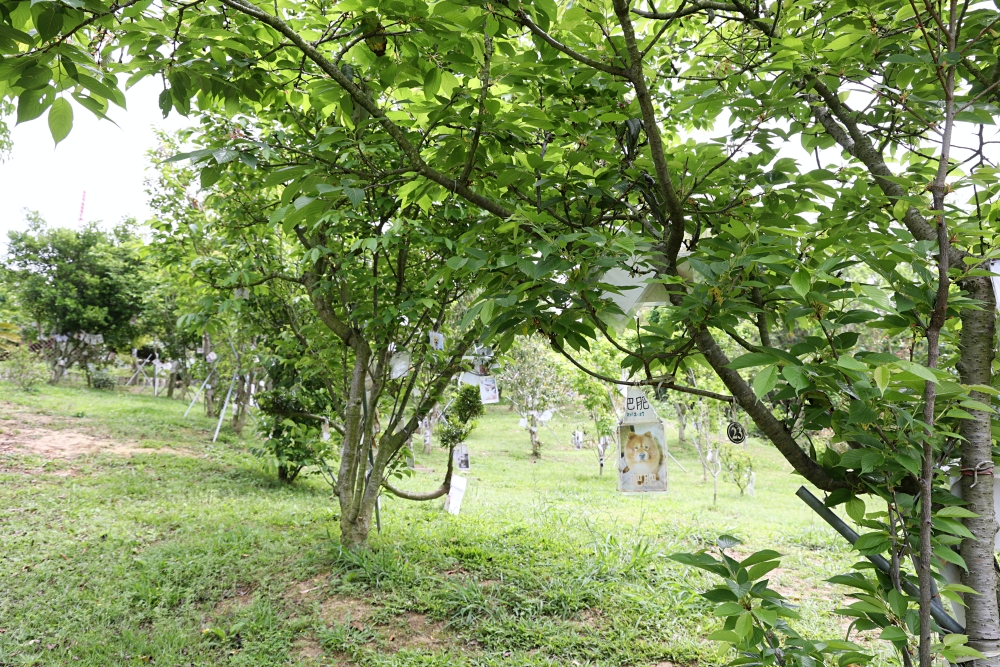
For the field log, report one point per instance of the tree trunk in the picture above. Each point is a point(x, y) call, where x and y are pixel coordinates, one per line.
point(171, 381)
point(240, 403)
point(982, 623)
point(425, 426)
point(681, 420)
point(536, 446)
point(209, 401)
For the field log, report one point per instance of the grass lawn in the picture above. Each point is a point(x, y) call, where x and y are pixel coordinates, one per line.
point(165, 549)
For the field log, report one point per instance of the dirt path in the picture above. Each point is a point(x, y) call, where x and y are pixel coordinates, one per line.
point(23, 432)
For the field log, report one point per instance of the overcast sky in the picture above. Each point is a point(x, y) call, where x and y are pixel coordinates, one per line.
point(105, 160)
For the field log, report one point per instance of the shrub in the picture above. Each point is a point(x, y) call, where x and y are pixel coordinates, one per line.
point(103, 380)
point(460, 419)
point(23, 368)
point(738, 466)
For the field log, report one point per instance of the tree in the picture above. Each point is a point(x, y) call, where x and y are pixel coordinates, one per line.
point(585, 165)
point(534, 381)
point(77, 284)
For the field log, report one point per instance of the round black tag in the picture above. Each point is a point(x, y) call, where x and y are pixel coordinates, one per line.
point(737, 434)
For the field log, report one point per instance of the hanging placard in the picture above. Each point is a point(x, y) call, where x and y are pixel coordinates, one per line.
point(469, 378)
point(436, 340)
point(462, 457)
point(453, 501)
point(642, 458)
point(488, 390)
point(399, 365)
point(736, 433)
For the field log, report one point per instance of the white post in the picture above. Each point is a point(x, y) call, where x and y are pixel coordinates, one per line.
point(222, 412)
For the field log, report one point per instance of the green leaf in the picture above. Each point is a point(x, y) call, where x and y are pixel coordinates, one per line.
point(744, 625)
point(60, 119)
point(796, 376)
point(759, 557)
point(882, 377)
point(956, 512)
point(751, 359)
point(851, 364)
point(355, 195)
point(893, 634)
point(765, 381)
point(800, 282)
point(878, 297)
point(856, 509)
point(728, 609)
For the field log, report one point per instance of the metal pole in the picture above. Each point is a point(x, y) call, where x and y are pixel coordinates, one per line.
point(222, 413)
point(947, 623)
point(198, 393)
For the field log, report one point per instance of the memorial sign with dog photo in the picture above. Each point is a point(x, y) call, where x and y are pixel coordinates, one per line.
point(642, 457)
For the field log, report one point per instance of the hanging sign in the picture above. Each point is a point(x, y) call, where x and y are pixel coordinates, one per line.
point(642, 458)
point(453, 501)
point(468, 377)
point(488, 390)
point(399, 365)
point(736, 433)
point(436, 340)
point(462, 457)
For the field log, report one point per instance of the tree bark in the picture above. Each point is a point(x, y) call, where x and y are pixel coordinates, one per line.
point(982, 617)
point(536, 446)
point(681, 420)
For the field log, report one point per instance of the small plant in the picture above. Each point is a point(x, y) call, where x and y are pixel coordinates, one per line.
point(738, 466)
point(755, 617)
point(22, 367)
point(103, 380)
point(460, 419)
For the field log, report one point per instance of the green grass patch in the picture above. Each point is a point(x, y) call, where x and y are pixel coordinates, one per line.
point(205, 559)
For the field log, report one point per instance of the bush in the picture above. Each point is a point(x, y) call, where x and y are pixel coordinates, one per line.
point(23, 368)
point(292, 438)
point(460, 419)
point(738, 466)
point(103, 380)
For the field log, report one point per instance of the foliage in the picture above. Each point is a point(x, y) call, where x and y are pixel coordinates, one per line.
point(291, 420)
point(103, 380)
point(596, 394)
point(738, 465)
point(460, 419)
point(646, 133)
point(23, 367)
point(534, 381)
point(73, 282)
point(756, 617)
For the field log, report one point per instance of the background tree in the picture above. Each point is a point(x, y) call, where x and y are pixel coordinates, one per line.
point(77, 282)
point(535, 381)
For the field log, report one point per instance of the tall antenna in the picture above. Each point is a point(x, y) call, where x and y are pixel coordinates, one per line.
point(83, 201)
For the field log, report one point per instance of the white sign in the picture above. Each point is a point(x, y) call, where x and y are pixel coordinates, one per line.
point(642, 458)
point(436, 340)
point(642, 450)
point(638, 408)
point(462, 457)
point(211, 356)
point(399, 365)
point(453, 502)
point(470, 378)
point(488, 390)
point(995, 268)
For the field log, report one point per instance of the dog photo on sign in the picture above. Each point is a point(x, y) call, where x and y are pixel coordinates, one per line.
point(642, 461)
